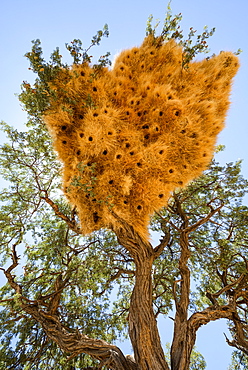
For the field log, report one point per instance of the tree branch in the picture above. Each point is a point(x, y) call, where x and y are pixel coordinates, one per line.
point(72, 224)
point(163, 243)
point(72, 342)
point(203, 220)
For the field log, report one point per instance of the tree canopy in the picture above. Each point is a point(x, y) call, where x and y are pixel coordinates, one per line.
point(60, 309)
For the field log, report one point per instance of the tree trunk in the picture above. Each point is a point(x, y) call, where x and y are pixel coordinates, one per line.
point(183, 342)
point(143, 331)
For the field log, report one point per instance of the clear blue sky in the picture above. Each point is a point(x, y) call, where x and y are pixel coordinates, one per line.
point(56, 22)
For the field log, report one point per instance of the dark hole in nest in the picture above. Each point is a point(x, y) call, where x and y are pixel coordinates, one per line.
point(95, 217)
point(180, 182)
point(145, 126)
point(82, 74)
point(64, 141)
point(139, 207)
point(131, 153)
point(63, 128)
point(147, 136)
point(204, 155)
point(125, 202)
point(81, 134)
point(139, 164)
point(94, 88)
point(161, 151)
point(105, 152)
point(80, 116)
point(156, 129)
point(161, 195)
point(177, 113)
point(183, 131)
point(95, 114)
point(127, 145)
point(111, 182)
point(127, 113)
point(118, 156)
point(138, 102)
point(90, 138)
point(110, 133)
point(184, 166)
point(115, 93)
point(89, 164)
point(139, 114)
point(105, 111)
point(161, 113)
point(169, 97)
point(122, 68)
point(171, 170)
point(78, 152)
point(94, 200)
point(193, 136)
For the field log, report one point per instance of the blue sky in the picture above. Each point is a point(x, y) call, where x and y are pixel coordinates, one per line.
point(56, 22)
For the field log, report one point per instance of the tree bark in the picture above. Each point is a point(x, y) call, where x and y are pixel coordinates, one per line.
point(75, 343)
point(185, 329)
point(182, 344)
point(143, 330)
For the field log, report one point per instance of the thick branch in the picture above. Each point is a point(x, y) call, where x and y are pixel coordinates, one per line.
point(239, 282)
point(9, 276)
point(73, 342)
point(181, 348)
point(163, 243)
point(211, 313)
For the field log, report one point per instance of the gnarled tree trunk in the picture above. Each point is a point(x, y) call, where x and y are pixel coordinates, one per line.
point(143, 329)
point(183, 343)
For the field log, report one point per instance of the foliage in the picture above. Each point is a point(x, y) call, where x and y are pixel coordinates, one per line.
point(171, 30)
point(36, 98)
point(239, 361)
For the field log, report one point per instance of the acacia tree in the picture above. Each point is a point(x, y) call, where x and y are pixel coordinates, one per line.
point(58, 310)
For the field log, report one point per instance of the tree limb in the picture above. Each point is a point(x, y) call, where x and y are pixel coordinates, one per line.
point(72, 224)
point(72, 342)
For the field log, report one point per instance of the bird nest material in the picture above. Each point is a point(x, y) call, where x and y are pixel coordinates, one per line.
point(129, 136)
